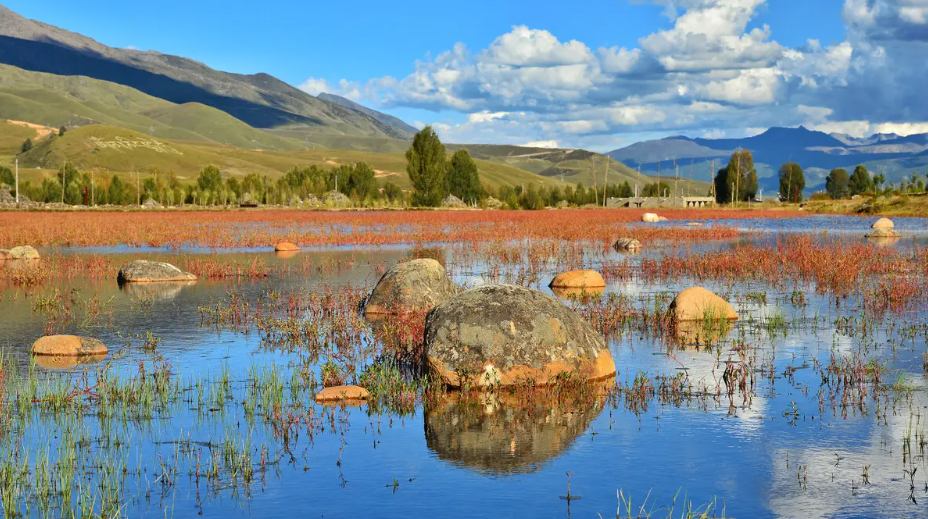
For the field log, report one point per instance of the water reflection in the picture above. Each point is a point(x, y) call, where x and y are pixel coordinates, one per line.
point(163, 291)
point(509, 433)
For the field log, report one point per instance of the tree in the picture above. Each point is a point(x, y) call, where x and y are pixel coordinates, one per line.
point(860, 181)
point(67, 175)
point(792, 182)
point(462, 179)
point(62, 131)
point(392, 192)
point(6, 176)
point(116, 192)
point(739, 177)
point(425, 164)
point(837, 183)
point(655, 189)
point(362, 181)
point(27, 145)
point(210, 179)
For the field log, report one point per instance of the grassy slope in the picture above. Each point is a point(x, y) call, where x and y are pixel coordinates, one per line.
point(78, 146)
point(12, 137)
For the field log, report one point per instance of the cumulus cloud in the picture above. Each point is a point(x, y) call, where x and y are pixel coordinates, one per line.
point(313, 86)
point(708, 72)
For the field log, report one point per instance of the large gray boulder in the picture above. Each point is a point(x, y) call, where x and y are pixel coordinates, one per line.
point(144, 271)
point(507, 335)
point(415, 285)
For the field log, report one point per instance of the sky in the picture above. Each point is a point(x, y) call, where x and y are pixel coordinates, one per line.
point(593, 74)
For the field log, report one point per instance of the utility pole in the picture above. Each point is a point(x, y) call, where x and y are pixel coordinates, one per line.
point(17, 181)
point(93, 196)
point(675, 178)
point(605, 181)
point(637, 180)
point(138, 189)
point(658, 180)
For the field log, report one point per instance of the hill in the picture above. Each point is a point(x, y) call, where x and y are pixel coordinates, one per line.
point(260, 100)
point(388, 120)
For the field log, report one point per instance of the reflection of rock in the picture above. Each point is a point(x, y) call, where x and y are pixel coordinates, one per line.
point(410, 286)
point(165, 291)
point(883, 241)
point(66, 362)
point(507, 335)
point(575, 294)
point(503, 433)
point(701, 333)
point(144, 271)
point(286, 254)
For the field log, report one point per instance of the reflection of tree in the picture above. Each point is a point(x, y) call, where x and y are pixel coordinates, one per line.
point(507, 433)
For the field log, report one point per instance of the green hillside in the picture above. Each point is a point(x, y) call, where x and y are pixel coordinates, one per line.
point(217, 126)
point(118, 150)
point(12, 137)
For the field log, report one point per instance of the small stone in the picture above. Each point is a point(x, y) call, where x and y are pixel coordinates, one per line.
point(627, 244)
point(68, 345)
point(144, 271)
point(338, 393)
point(650, 218)
point(698, 304)
point(578, 279)
point(286, 246)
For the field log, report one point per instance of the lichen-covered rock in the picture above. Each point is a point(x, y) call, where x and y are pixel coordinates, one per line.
point(24, 252)
point(151, 203)
point(144, 271)
point(339, 393)
point(883, 223)
point(415, 285)
point(627, 244)
point(68, 345)
point(336, 199)
point(493, 203)
point(578, 279)
point(699, 304)
point(883, 232)
point(454, 202)
point(286, 246)
point(650, 218)
point(507, 335)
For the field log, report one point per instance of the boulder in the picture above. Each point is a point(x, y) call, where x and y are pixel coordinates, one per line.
point(883, 232)
point(650, 218)
point(503, 335)
point(452, 201)
point(338, 393)
point(493, 203)
point(699, 304)
point(286, 246)
point(578, 294)
point(578, 279)
point(24, 252)
point(415, 285)
point(68, 346)
point(883, 223)
point(151, 203)
point(336, 198)
point(662, 218)
point(144, 271)
point(627, 244)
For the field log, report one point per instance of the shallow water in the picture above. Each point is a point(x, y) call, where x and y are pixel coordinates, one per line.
point(794, 448)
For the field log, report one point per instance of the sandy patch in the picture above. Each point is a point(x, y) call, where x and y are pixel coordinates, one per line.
point(40, 129)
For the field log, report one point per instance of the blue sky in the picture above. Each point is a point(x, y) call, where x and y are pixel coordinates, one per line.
point(697, 67)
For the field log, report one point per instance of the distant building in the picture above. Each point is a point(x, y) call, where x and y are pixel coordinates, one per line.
point(678, 202)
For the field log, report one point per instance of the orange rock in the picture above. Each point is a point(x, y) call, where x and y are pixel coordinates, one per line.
point(338, 393)
point(286, 246)
point(883, 223)
point(579, 279)
point(698, 304)
point(68, 345)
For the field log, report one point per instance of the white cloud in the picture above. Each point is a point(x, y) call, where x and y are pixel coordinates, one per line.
point(314, 87)
point(541, 144)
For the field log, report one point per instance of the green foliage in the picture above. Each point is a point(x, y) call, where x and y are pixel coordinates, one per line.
point(361, 181)
point(425, 164)
point(738, 180)
point(656, 190)
point(392, 192)
point(836, 184)
point(6, 176)
point(210, 179)
point(860, 181)
point(116, 194)
point(62, 131)
point(462, 178)
point(792, 182)
point(69, 177)
point(27, 145)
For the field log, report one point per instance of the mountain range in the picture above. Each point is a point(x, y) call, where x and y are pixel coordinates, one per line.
point(817, 152)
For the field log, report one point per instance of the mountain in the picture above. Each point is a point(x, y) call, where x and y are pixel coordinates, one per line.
point(388, 120)
point(817, 152)
point(259, 100)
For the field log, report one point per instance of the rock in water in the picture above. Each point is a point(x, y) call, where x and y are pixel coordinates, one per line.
point(650, 218)
point(883, 223)
point(286, 246)
point(337, 393)
point(883, 232)
point(68, 345)
point(144, 271)
point(506, 335)
point(627, 244)
point(418, 284)
point(699, 304)
point(24, 252)
point(578, 279)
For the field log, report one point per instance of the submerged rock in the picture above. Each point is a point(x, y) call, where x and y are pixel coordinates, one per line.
point(650, 218)
point(415, 285)
point(68, 345)
point(578, 279)
point(883, 223)
point(340, 393)
point(144, 271)
point(506, 335)
point(699, 304)
point(629, 244)
point(286, 246)
point(883, 232)
point(24, 252)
